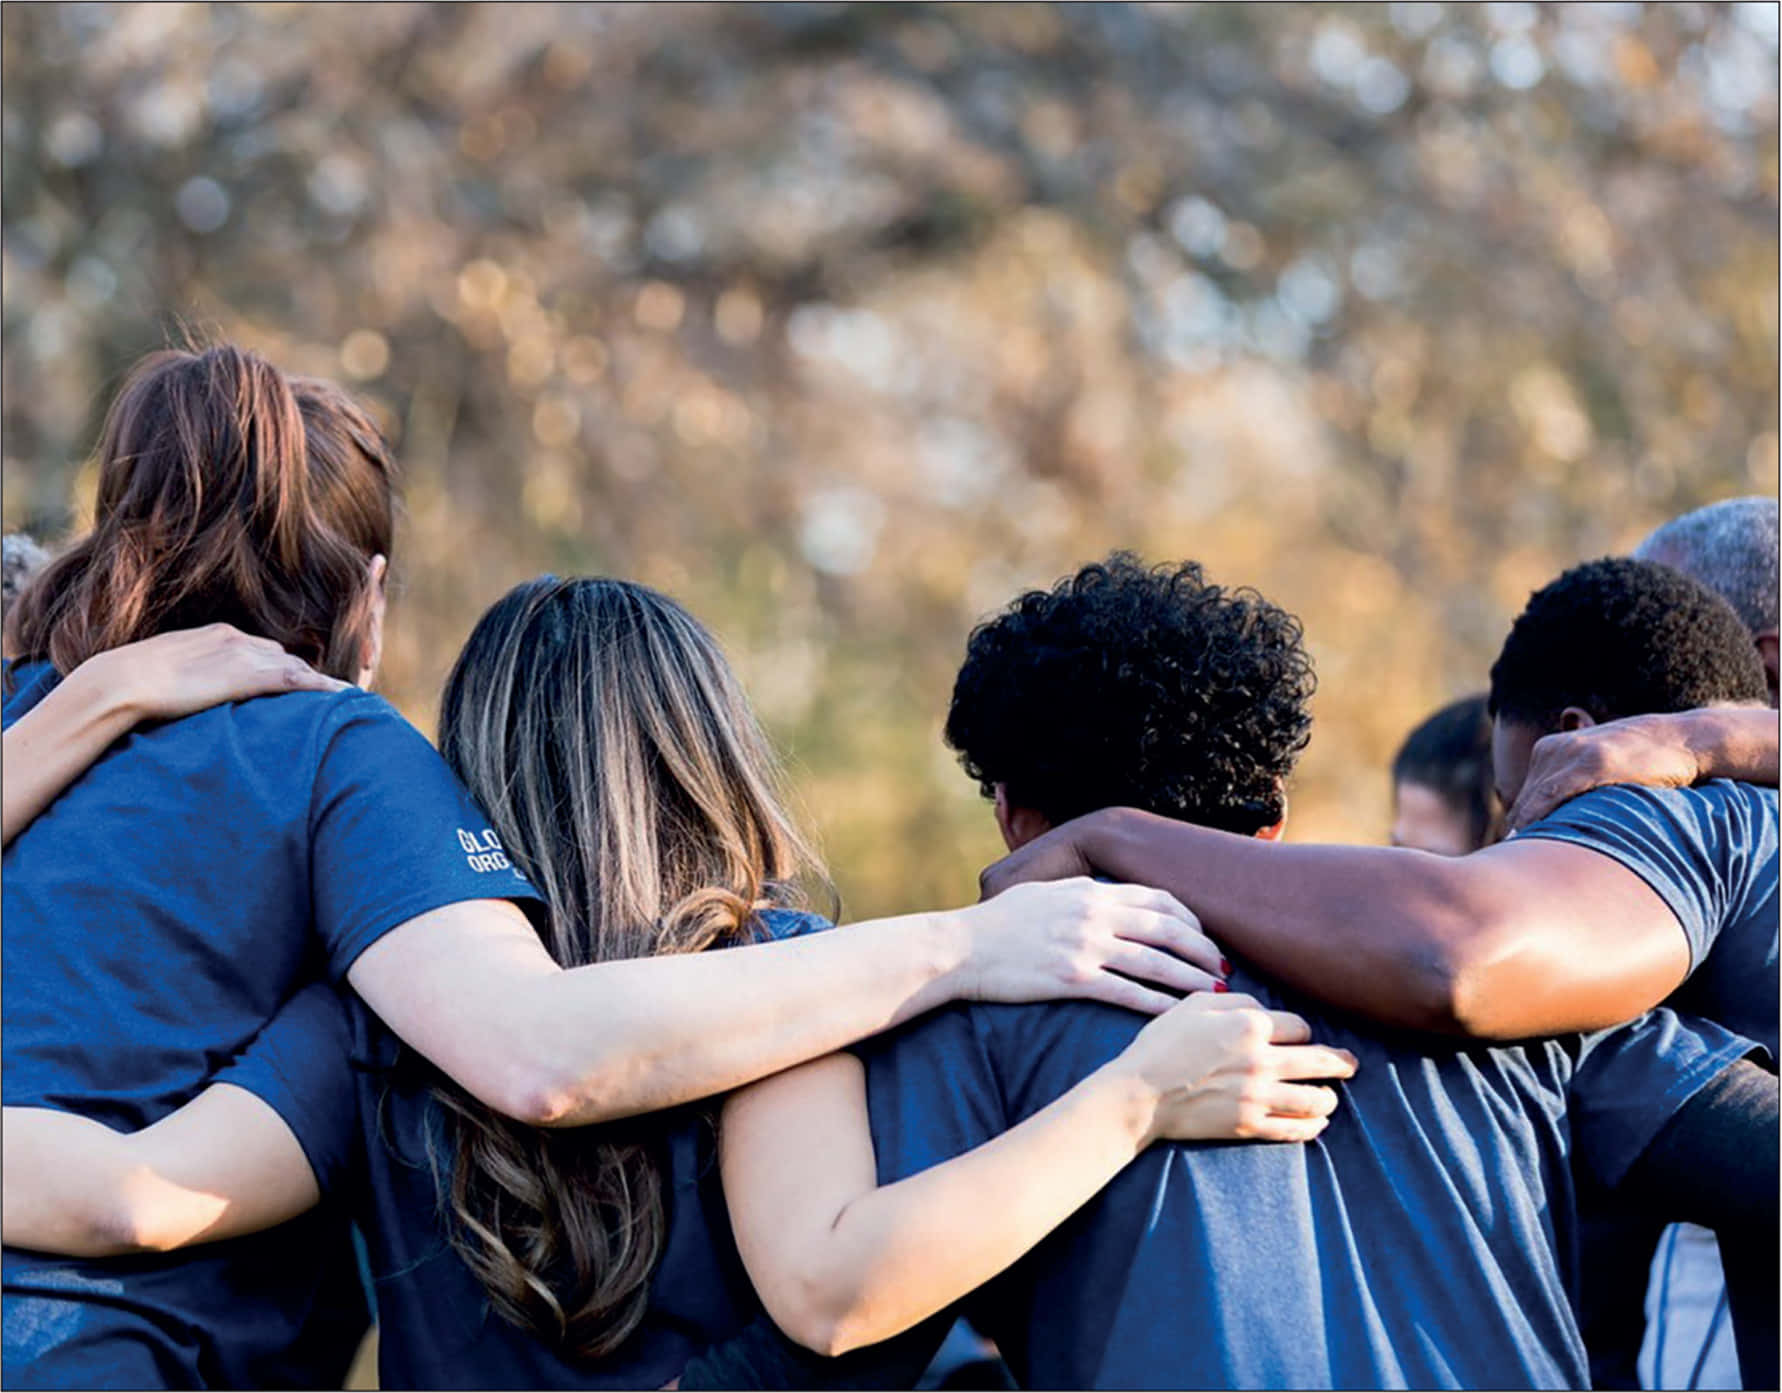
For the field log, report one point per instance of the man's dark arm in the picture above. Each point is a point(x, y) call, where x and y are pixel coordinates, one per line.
point(1715, 1164)
point(1671, 750)
point(1525, 938)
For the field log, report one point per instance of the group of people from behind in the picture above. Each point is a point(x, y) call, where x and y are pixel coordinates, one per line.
point(546, 1013)
point(1669, 1327)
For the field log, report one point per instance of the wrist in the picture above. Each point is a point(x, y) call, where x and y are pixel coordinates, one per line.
point(1131, 1097)
point(1699, 733)
point(111, 698)
point(951, 962)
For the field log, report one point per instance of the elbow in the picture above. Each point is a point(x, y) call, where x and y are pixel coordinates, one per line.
point(819, 1334)
point(1459, 983)
point(812, 1316)
point(535, 1095)
point(117, 1228)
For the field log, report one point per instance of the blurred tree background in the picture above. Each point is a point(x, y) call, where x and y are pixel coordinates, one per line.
point(845, 323)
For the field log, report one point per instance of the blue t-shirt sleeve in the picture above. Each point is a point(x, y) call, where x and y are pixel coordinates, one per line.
point(932, 1092)
point(1632, 1079)
point(1690, 845)
point(300, 1066)
point(792, 923)
point(392, 832)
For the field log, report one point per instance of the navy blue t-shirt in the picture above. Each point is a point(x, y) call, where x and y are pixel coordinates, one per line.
point(157, 915)
point(1711, 855)
point(376, 1137)
point(1424, 1240)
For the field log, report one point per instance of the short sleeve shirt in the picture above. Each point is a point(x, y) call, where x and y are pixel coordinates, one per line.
point(1711, 855)
point(158, 914)
point(364, 1113)
point(1424, 1240)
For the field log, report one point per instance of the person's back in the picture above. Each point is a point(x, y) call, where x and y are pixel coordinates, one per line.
point(1422, 1241)
point(164, 906)
point(156, 917)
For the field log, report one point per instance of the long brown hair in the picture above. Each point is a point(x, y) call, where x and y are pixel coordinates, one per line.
point(227, 492)
point(612, 748)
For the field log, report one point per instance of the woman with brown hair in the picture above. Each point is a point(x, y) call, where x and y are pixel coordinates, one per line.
point(206, 870)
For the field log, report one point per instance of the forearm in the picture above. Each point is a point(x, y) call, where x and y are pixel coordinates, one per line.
point(689, 1026)
point(55, 742)
point(222, 1165)
point(1731, 742)
point(1521, 939)
point(64, 1176)
point(615, 1039)
point(897, 1254)
point(1715, 1164)
point(1370, 929)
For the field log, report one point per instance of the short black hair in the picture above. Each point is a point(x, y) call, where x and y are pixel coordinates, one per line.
point(1450, 753)
point(1619, 637)
point(1148, 688)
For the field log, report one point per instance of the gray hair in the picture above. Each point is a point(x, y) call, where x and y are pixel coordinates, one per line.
point(22, 558)
point(1732, 548)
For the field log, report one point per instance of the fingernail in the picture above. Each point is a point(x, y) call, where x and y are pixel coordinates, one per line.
point(1220, 987)
point(1225, 966)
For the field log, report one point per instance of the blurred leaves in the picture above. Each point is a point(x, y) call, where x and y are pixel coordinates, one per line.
point(843, 323)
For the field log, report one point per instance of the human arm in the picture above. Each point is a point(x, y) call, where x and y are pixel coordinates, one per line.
point(841, 1262)
point(269, 1133)
point(471, 987)
point(1714, 1164)
point(159, 678)
point(223, 1165)
point(1529, 937)
point(1671, 750)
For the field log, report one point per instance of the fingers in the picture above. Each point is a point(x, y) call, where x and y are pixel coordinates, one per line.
point(1311, 1061)
point(1299, 1100)
point(1283, 1027)
point(1178, 938)
point(301, 677)
point(1120, 991)
point(1164, 969)
point(1146, 897)
point(1541, 796)
point(1289, 1129)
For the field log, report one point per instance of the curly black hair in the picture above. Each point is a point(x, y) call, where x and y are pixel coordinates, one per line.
point(1148, 688)
point(1619, 637)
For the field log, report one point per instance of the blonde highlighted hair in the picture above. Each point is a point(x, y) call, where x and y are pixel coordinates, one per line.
point(603, 732)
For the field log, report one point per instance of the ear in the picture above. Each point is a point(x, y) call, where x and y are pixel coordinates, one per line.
point(1002, 817)
point(372, 651)
point(1575, 718)
point(1018, 825)
point(1765, 639)
point(1276, 831)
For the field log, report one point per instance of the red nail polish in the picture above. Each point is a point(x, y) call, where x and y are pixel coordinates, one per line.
point(1225, 966)
point(1220, 987)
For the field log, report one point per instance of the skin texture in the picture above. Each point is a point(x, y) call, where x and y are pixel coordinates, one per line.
point(223, 1165)
point(161, 678)
point(1671, 750)
point(1426, 821)
point(1523, 938)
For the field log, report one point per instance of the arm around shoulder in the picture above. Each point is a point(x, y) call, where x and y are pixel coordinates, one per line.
point(1525, 938)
